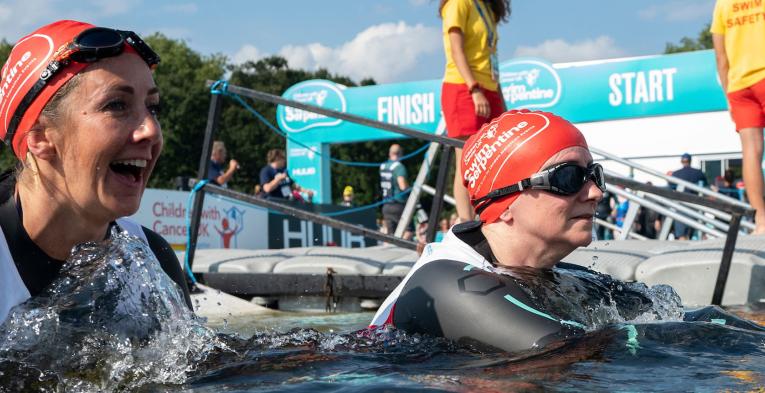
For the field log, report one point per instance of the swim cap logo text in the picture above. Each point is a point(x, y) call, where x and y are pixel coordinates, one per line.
point(486, 151)
point(9, 72)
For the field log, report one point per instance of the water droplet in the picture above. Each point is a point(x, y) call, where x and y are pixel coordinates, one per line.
point(219, 304)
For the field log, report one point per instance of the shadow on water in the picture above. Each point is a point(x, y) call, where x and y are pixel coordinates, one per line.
point(115, 322)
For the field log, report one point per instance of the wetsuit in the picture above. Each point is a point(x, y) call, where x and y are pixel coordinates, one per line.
point(453, 291)
point(25, 269)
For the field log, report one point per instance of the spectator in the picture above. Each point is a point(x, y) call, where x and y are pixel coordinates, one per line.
point(258, 191)
point(741, 67)
point(444, 229)
point(691, 175)
point(603, 211)
point(275, 181)
point(726, 185)
point(393, 183)
point(648, 221)
point(347, 197)
point(215, 170)
point(470, 94)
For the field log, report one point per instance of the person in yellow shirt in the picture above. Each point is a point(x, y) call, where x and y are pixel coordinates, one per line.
point(738, 34)
point(470, 94)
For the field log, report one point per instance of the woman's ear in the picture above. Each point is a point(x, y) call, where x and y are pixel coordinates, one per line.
point(507, 215)
point(39, 141)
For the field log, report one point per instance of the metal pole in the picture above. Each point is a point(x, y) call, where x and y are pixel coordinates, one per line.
point(310, 216)
point(722, 274)
point(438, 198)
point(414, 195)
point(213, 118)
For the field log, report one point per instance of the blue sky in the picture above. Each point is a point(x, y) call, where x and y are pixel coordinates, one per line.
point(389, 40)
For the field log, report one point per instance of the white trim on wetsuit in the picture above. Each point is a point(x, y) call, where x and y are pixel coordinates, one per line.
point(451, 248)
point(13, 291)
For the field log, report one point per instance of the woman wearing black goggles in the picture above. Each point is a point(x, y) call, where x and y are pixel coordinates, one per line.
point(87, 140)
point(566, 178)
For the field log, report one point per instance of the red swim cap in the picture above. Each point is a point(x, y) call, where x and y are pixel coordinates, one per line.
point(511, 148)
point(22, 70)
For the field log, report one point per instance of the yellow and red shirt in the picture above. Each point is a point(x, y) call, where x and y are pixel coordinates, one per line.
point(464, 15)
point(742, 22)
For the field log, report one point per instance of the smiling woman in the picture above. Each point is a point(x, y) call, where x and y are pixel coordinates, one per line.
point(79, 107)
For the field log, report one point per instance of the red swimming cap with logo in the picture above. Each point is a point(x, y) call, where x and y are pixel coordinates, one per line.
point(511, 148)
point(22, 70)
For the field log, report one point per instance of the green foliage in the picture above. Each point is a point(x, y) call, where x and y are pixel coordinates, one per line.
point(7, 159)
point(703, 41)
point(181, 80)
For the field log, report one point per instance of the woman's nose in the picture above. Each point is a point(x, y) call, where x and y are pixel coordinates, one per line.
point(149, 130)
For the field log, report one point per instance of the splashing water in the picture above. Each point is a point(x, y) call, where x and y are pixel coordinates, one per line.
point(596, 299)
point(113, 320)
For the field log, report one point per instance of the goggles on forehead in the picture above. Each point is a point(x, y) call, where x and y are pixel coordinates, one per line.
point(89, 46)
point(562, 179)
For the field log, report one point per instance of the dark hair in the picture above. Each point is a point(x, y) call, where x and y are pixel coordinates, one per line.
point(500, 8)
point(275, 154)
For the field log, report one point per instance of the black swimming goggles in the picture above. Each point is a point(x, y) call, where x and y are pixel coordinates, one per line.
point(562, 179)
point(89, 46)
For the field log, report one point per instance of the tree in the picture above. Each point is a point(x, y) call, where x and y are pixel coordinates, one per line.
point(7, 159)
point(185, 99)
point(704, 41)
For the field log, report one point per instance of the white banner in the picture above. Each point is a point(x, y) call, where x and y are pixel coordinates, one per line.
point(226, 223)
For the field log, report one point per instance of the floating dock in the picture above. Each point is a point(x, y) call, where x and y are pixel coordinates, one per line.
point(356, 279)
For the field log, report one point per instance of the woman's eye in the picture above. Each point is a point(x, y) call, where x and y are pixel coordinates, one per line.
point(116, 105)
point(155, 109)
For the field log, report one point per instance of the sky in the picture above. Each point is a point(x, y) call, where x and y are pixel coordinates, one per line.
point(388, 40)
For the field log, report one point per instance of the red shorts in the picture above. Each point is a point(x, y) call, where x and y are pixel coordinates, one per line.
point(459, 110)
point(747, 106)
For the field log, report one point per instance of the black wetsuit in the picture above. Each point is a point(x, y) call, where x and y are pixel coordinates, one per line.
point(449, 293)
point(37, 270)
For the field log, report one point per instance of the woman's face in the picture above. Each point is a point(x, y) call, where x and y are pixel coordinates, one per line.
point(109, 138)
point(560, 222)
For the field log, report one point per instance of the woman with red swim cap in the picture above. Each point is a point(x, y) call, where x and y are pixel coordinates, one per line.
point(78, 108)
point(533, 183)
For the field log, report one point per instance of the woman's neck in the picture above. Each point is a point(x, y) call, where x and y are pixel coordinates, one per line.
point(515, 250)
point(53, 225)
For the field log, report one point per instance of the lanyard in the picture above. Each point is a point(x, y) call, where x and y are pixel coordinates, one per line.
point(491, 33)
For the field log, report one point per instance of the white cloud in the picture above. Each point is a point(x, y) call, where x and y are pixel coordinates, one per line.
point(559, 50)
point(247, 53)
point(679, 10)
point(385, 52)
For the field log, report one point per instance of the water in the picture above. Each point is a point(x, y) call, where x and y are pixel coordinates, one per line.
point(114, 322)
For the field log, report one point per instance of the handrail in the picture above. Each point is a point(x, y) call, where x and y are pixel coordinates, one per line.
point(314, 217)
point(259, 95)
point(663, 210)
point(670, 179)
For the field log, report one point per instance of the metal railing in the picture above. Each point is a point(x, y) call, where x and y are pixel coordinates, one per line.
point(671, 203)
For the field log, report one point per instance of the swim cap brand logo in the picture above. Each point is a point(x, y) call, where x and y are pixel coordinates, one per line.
point(12, 70)
point(530, 84)
point(488, 146)
point(35, 50)
point(321, 93)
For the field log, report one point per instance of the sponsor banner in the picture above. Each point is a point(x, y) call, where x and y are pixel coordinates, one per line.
point(580, 92)
point(226, 223)
point(415, 105)
point(286, 231)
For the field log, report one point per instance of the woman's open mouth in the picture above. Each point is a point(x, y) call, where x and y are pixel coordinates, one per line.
point(131, 171)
